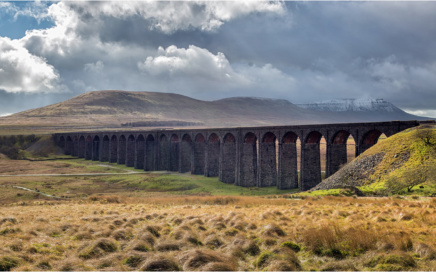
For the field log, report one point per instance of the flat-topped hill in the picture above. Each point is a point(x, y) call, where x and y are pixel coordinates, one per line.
point(111, 109)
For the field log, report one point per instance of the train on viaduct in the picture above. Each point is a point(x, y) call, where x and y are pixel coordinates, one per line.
point(244, 156)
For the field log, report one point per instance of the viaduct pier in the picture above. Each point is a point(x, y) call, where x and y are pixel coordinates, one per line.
point(244, 156)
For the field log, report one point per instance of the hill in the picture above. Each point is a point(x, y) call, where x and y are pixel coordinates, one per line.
point(362, 109)
point(114, 109)
point(407, 156)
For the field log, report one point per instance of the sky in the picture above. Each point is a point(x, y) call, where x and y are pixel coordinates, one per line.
point(299, 51)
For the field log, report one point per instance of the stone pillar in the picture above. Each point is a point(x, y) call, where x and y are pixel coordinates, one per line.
point(212, 156)
point(174, 154)
point(198, 156)
point(96, 149)
point(288, 171)
point(150, 154)
point(310, 166)
point(130, 151)
point(122, 147)
point(113, 146)
point(186, 155)
point(69, 146)
point(164, 153)
point(336, 158)
point(105, 149)
point(268, 162)
point(248, 174)
point(140, 152)
point(88, 148)
point(75, 151)
point(228, 159)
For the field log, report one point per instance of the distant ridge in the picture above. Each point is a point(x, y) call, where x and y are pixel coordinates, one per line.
point(112, 109)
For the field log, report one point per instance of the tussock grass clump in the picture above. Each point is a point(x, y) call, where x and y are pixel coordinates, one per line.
point(213, 242)
point(148, 238)
point(343, 265)
point(291, 245)
point(160, 263)
point(197, 258)
point(273, 230)
point(140, 246)
point(333, 241)
point(396, 261)
point(154, 230)
point(7, 263)
point(44, 265)
point(168, 246)
point(123, 234)
point(425, 251)
point(134, 261)
point(11, 220)
point(99, 248)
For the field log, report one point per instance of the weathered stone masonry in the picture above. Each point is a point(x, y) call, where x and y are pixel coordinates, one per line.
point(249, 156)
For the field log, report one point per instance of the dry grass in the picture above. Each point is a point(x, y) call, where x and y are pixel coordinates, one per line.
point(329, 233)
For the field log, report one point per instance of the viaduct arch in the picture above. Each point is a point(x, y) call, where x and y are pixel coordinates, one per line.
point(246, 156)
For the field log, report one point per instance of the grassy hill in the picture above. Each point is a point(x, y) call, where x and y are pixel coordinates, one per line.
point(408, 156)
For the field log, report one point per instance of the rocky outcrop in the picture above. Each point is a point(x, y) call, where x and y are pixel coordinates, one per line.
point(353, 174)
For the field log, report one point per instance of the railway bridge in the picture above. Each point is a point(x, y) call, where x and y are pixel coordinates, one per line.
point(244, 156)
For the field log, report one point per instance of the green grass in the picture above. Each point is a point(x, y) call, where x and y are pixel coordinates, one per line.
point(141, 183)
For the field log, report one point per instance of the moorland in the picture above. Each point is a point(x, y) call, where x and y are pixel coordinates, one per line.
point(84, 215)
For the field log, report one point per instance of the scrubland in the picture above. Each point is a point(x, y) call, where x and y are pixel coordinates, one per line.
point(110, 232)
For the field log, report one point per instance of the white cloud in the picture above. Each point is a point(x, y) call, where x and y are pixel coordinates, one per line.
point(21, 71)
point(59, 39)
point(171, 16)
point(191, 62)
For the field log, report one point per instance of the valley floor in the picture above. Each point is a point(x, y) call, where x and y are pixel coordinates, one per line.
point(163, 221)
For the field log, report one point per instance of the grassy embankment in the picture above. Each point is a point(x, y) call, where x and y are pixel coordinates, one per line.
point(408, 152)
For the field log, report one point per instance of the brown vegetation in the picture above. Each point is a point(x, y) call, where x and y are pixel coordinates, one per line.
point(329, 233)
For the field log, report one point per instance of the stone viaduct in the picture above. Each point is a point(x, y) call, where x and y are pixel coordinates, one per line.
point(244, 156)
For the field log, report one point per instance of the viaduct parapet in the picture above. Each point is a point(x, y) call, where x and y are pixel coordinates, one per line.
point(244, 156)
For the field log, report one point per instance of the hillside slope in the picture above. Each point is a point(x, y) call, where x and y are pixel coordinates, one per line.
point(390, 159)
point(112, 109)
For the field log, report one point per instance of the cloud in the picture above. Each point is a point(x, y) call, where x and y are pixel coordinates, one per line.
point(301, 51)
point(192, 62)
point(172, 16)
point(96, 67)
point(21, 71)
